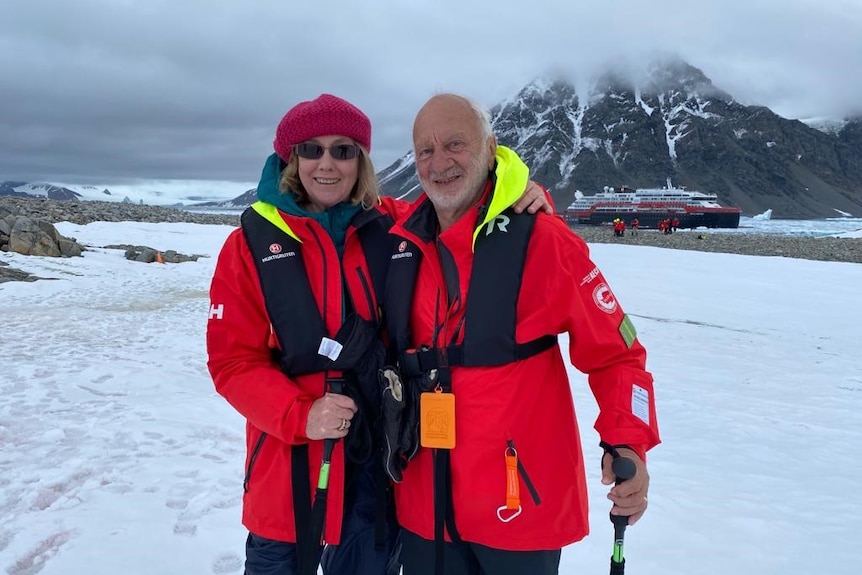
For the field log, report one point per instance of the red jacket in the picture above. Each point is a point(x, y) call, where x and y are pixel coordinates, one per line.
point(528, 402)
point(239, 343)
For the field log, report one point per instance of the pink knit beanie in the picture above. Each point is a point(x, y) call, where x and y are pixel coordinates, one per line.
point(327, 115)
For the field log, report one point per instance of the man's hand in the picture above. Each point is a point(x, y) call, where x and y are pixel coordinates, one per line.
point(533, 200)
point(329, 417)
point(630, 496)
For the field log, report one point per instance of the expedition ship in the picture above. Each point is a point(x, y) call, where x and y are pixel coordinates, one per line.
point(650, 206)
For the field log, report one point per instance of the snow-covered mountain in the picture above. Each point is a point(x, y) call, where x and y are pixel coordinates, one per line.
point(170, 193)
point(42, 190)
point(670, 121)
point(618, 128)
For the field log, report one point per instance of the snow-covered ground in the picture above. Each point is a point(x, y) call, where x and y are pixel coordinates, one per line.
point(117, 455)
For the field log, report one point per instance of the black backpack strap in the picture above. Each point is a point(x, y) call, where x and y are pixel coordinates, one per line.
point(418, 362)
point(287, 294)
point(398, 293)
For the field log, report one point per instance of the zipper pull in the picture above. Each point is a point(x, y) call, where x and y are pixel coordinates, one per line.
point(513, 493)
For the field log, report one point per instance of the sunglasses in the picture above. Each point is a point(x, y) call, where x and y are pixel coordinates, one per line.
point(312, 151)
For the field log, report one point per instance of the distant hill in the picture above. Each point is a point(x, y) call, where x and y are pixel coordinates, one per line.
point(241, 201)
point(41, 190)
point(189, 194)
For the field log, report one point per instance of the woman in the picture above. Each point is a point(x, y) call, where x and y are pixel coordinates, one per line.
point(295, 347)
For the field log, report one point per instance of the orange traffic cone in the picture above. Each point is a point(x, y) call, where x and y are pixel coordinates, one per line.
point(159, 258)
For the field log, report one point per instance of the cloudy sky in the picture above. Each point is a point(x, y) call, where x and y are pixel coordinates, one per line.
point(114, 91)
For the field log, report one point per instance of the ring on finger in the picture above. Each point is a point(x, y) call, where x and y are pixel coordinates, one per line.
point(343, 425)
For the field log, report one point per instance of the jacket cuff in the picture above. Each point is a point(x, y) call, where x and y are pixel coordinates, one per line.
point(639, 449)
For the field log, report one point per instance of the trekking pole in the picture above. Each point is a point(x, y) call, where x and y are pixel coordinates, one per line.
point(321, 493)
point(624, 468)
point(336, 385)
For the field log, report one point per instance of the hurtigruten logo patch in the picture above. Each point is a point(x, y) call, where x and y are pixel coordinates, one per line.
point(604, 298)
point(277, 256)
point(402, 252)
point(275, 248)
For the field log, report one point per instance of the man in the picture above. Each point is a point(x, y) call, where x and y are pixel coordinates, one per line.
point(498, 484)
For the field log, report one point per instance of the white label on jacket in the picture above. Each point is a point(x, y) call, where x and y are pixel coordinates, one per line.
point(330, 348)
point(640, 403)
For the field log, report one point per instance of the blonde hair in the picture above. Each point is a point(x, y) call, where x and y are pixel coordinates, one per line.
point(365, 191)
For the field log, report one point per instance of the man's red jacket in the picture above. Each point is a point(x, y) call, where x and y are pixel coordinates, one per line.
point(527, 404)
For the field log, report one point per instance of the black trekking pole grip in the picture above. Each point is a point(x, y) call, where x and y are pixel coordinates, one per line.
point(623, 468)
point(335, 385)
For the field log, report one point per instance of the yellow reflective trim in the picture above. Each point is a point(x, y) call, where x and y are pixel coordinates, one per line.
point(627, 330)
point(270, 214)
point(323, 478)
point(512, 177)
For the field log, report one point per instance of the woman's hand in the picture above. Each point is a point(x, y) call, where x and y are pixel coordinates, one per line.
point(329, 417)
point(535, 198)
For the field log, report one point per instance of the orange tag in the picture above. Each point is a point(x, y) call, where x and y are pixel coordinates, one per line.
point(513, 495)
point(437, 420)
point(512, 508)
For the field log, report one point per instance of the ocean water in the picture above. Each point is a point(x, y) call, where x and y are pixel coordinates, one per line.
point(807, 228)
point(747, 225)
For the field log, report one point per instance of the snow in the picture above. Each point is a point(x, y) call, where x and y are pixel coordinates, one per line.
point(119, 457)
point(648, 110)
point(404, 162)
point(154, 193)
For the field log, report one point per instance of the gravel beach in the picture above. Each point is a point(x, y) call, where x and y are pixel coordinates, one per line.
point(752, 244)
point(819, 248)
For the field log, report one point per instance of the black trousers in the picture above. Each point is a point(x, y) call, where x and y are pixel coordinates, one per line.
point(356, 555)
point(417, 558)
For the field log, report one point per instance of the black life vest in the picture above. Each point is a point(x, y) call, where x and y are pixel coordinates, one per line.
point(492, 298)
point(287, 292)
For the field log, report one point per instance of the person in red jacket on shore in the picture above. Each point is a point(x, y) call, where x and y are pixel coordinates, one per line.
point(495, 481)
point(294, 346)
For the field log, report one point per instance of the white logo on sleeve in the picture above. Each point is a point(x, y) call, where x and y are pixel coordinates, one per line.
point(216, 311)
point(604, 298)
point(500, 221)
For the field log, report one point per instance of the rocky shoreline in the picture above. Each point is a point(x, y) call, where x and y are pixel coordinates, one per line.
point(808, 248)
point(823, 249)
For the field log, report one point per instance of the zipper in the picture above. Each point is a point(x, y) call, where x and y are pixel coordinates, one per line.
point(254, 453)
point(522, 471)
point(325, 268)
point(325, 286)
